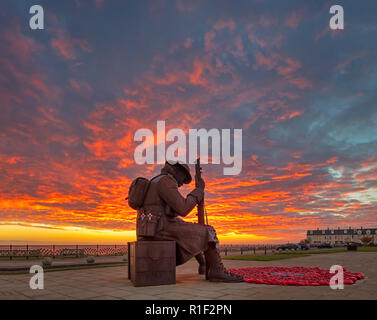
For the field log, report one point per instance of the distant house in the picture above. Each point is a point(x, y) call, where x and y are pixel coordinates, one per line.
point(335, 236)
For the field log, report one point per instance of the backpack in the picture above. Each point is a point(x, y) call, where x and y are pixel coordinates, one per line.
point(138, 191)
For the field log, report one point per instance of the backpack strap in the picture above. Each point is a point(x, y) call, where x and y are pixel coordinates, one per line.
point(161, 174)
point(146, 192)
point(167, 208)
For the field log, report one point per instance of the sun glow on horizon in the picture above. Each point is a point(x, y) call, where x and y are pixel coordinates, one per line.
point(14, 233)
point(17, 233)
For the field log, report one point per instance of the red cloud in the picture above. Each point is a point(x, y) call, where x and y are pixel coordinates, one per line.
point(283, 65)
point(187, 6)
point(222, 24)
point(18, 44)
point(355, 56)
point(68, 47)
point(300, 82)
point(293, 19)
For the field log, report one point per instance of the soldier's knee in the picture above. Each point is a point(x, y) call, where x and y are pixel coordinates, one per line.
point(212, 237)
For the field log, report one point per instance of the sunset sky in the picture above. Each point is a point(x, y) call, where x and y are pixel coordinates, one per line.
point(73, 95)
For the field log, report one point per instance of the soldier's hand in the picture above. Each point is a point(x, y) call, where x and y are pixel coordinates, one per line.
point(198, 194)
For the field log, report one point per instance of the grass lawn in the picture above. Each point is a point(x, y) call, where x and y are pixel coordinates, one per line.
point(295, 254)
point(367, 249)
point(327, 251)
point(266, 257)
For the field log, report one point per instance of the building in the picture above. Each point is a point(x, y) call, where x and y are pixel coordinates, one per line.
point(336, 236)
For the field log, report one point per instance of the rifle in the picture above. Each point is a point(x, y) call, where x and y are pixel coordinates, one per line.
point(200, 206)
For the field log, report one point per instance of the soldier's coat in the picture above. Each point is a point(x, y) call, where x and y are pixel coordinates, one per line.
point(163, 194)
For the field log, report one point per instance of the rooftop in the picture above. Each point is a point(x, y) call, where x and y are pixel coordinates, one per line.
point(349, 231)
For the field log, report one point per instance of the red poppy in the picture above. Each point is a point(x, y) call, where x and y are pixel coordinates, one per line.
point(293, 276)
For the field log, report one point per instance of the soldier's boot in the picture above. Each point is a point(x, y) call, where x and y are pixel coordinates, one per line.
point(216, 271)
point(202, 263)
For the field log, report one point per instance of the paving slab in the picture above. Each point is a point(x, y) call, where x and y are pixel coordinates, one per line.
point(113, 283)
point(58, 261)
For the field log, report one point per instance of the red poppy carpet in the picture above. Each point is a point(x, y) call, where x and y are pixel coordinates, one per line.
point(293, 276)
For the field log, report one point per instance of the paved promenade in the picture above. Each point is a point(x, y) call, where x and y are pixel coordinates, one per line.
point(112, 283)
point(58, 261)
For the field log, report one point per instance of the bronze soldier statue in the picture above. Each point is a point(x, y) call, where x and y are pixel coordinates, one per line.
point(164, 200)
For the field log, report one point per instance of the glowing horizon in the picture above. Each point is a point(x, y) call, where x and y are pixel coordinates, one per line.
point(48, 235)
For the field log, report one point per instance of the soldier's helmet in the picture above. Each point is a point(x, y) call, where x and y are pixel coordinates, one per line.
point(185, 167)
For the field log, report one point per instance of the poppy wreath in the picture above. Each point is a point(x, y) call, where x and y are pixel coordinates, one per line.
point(293, 276)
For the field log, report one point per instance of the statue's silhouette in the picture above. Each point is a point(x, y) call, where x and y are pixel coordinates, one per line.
point(158, 219)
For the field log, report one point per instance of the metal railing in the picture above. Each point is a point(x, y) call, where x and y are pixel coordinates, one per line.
point(12, 251)
point(247, 249)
